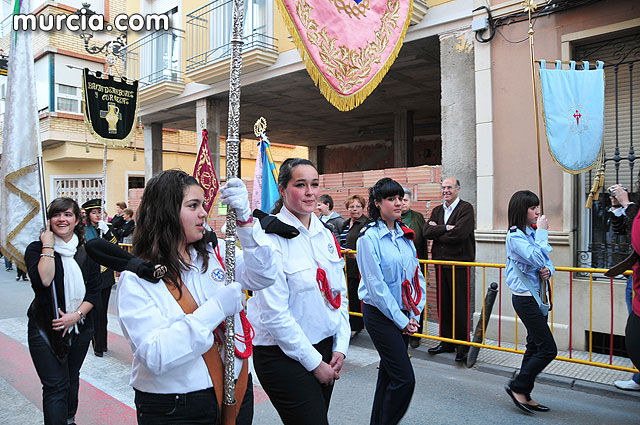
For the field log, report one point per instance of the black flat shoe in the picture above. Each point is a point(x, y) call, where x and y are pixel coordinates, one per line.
point(460, 357)
point(520, 406)
point(441, 349)
point(538, 407)
point(414, 343)
point(98, 353)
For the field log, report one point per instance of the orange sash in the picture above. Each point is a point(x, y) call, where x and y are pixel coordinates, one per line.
point(214, 363)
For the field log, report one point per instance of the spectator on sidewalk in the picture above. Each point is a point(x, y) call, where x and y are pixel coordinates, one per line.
point(623, 213)
point(451, 227)
point(124, 232)
point(348, 237)
point(330, 218)
point(118, 220)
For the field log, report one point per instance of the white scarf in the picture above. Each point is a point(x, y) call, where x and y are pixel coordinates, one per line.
point(74, 289)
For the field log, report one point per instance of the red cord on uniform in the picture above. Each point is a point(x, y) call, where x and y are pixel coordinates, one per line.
point(410, 303)
point(325, 289)
point(248, 333)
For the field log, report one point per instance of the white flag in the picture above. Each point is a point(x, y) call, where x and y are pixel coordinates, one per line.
point(20, 213)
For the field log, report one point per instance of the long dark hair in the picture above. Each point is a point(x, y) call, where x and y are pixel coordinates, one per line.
point(158, 232)
point(62, 204)
point(383, 188)
point(284, 177)
point(519, 205)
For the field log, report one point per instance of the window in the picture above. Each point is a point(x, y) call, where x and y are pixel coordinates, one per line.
point(136, 182)
point(256, 31)
point(599, 246)
point(81, 189)
point(68, 98)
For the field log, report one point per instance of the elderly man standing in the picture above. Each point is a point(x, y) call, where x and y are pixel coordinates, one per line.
point(451, 226)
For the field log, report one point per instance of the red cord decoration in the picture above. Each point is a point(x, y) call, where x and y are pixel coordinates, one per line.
point(325, 289)
point(409, 302)
point(248, 333)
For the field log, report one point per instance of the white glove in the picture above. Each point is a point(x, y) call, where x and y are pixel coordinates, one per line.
point(235, 195)
point(230, 298)
point(103, 226)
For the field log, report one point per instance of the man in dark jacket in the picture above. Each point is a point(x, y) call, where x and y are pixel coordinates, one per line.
point(451, 227)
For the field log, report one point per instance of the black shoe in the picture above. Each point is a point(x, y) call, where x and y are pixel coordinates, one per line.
point(98, 353)
point(414, 342)
point(520, 406)
point(25, 278)
point(460, 357)
point(18, 278)
point(441, 349)
point(537, 407)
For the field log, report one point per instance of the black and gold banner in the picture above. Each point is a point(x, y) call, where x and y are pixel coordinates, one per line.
point(110, 107)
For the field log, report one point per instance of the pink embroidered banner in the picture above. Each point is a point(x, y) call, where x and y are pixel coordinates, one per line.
point(347, 45)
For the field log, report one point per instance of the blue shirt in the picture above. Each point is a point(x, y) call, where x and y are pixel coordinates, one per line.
point(385, 260)
point(529, 251)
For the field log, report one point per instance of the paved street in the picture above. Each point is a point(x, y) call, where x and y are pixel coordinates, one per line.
point(445, 393)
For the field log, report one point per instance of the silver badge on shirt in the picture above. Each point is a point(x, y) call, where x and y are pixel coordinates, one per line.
point(218, 275)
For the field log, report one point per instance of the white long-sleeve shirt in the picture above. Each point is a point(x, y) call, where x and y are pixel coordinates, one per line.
point(168, 344)
point(292, 313)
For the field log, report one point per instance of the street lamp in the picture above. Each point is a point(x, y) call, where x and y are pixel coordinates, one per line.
point(113, 49)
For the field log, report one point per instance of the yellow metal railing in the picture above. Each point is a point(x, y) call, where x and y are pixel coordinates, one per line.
point(499, 267)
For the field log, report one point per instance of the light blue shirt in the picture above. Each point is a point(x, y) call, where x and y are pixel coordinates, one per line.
point(385, 260)
point(529, 251)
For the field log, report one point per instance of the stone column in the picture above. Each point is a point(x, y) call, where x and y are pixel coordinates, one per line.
point(402, 138)
point(152, 150)
point(208, 116)
point(458, 111)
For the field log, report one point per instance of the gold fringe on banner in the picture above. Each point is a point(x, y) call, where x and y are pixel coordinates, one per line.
point(340, 101)
point(11, 252)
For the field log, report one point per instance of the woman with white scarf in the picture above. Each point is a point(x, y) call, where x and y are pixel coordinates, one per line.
point(60, 329)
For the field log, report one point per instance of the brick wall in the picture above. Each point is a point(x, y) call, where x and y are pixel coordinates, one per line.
point(424, 181)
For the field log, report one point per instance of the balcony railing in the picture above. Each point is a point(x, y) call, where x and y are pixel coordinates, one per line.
point(209, 31)
point(155, 58)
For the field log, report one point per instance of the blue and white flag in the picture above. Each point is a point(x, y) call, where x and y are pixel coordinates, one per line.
point(573, 104)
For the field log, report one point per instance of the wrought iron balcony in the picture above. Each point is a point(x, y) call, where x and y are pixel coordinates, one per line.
point(155, 58)
point(209, 39)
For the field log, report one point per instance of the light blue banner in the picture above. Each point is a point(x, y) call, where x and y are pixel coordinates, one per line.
point(573, 104)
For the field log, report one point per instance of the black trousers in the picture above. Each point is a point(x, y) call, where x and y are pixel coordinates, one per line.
point(100, 316)
point(60, 380)
point(354, 304)
point(295, 393)
point(444, 282)
point(197, 407)
point(541, 347)
point(396, 380)
point(632, 338)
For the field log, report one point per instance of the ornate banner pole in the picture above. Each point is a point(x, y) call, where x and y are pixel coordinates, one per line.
point(529, 6)
point(232, 162)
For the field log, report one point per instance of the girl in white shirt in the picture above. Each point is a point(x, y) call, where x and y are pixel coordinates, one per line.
point(172, 347)
point(301, 322)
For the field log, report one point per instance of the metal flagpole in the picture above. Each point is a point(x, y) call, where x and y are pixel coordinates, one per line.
point(232, 165)
point(529, 6)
